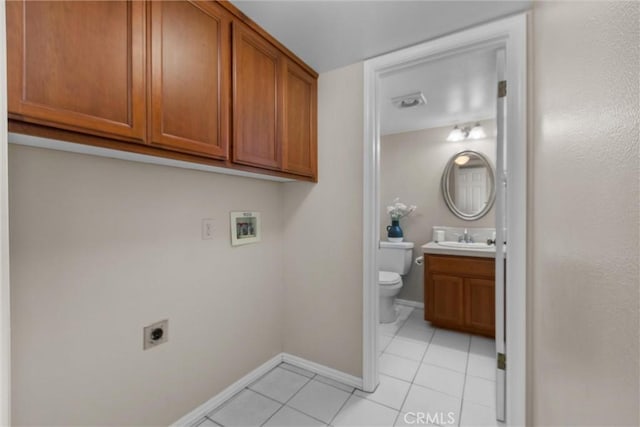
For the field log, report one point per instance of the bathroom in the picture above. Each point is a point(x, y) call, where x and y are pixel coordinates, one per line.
point(438, 127)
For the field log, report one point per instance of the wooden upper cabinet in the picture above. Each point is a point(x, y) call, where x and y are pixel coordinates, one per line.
point(189, 70)
point(190, 80)
point(299, 141)
point(256, 99)
point(78, 65)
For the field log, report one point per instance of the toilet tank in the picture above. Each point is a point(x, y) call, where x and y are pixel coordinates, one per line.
point(396, 257)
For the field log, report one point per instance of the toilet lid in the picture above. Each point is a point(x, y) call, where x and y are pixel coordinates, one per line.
point(388, 278)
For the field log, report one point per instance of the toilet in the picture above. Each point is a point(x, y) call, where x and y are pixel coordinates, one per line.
point(394, 260)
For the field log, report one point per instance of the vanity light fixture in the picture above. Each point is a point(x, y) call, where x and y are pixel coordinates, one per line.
point(467, 132)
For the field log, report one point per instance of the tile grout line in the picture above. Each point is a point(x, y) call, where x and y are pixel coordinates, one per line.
point(314, 377)
point(225, 403)
point(208, 419)
point(404, 357)
point(341, 407)
point(285, 404)
point(309, 379)
point(305, 414)
point(379, 403)
point(464, 386)
point(395, 421)
point(296, 393)
point(414, 377)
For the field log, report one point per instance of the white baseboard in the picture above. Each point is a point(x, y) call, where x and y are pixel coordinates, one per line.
point(228, 392)
point(325, 371)
point(217, 400)
point(408, 303)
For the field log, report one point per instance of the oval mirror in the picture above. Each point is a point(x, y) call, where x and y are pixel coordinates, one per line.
point(468, 185)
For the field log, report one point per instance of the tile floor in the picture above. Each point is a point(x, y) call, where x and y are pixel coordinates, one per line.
point(422, 370)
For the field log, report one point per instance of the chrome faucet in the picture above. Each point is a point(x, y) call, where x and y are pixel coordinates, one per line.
point(466, 237)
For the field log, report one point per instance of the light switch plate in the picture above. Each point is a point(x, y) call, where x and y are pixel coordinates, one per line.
point(208, 229)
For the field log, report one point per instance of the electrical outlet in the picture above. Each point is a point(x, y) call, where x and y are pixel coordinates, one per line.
point(155, 334)
point(207, 229)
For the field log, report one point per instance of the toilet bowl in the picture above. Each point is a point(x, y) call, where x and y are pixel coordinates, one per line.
point(389, 285)
point(394, 260)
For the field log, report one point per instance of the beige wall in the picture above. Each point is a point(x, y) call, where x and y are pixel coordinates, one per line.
point(584, 298)
point(102, 247)
point(323, 234)
point(411, 166)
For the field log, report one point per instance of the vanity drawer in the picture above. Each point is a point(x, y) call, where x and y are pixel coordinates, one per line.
point(458, 265)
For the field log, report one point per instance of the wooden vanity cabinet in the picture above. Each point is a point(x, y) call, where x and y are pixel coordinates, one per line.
point(460, 293)
point(78, 66)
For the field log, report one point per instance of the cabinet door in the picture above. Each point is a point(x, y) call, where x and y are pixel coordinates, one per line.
point(190, 67)
point(299, 147)
point(446, 300)
point(78, 65)
point(479, 299)
point(256, 100)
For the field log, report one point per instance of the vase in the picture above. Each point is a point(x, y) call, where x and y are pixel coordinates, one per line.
point(394, 232)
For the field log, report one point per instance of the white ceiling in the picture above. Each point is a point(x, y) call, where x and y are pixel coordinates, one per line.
point(459, 89)
point(330, 34)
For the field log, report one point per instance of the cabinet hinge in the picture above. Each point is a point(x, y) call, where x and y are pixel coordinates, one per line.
point(502, 361)
point(502, 89)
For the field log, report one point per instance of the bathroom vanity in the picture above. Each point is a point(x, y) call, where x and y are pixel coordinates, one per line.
point(459, 287)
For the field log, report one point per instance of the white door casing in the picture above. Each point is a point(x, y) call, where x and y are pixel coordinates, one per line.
point(509, 34)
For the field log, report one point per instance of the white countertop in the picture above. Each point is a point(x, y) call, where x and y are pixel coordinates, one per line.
point(437, 248)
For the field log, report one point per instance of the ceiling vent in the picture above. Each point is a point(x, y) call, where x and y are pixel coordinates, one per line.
point(409, 101)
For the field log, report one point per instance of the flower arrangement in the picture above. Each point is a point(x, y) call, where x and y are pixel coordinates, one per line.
point(399, 210)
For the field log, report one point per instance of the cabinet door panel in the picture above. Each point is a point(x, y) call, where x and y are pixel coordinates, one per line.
point(190, 54)
point(447, 299)
point(480, 304)
point(256, 103)
point(299, 149)
point(78, 64)
point(462, 266)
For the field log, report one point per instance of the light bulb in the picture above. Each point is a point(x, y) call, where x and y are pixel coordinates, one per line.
point(461, 160)
point(477, 132)
point(455, 135)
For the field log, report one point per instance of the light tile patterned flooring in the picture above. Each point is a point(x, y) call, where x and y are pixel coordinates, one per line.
point(422, 370)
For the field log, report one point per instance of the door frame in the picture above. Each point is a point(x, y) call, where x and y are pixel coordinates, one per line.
point(5, 313)
point(509, 34)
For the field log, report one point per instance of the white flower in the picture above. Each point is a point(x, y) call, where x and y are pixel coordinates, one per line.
point(398, 210)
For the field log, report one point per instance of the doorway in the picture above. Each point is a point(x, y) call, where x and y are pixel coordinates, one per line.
point(509, 37)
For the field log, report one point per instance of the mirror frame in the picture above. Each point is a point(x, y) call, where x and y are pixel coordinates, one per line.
point(447, 196)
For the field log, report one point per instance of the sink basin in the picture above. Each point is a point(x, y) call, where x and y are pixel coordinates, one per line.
point(463, 245)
